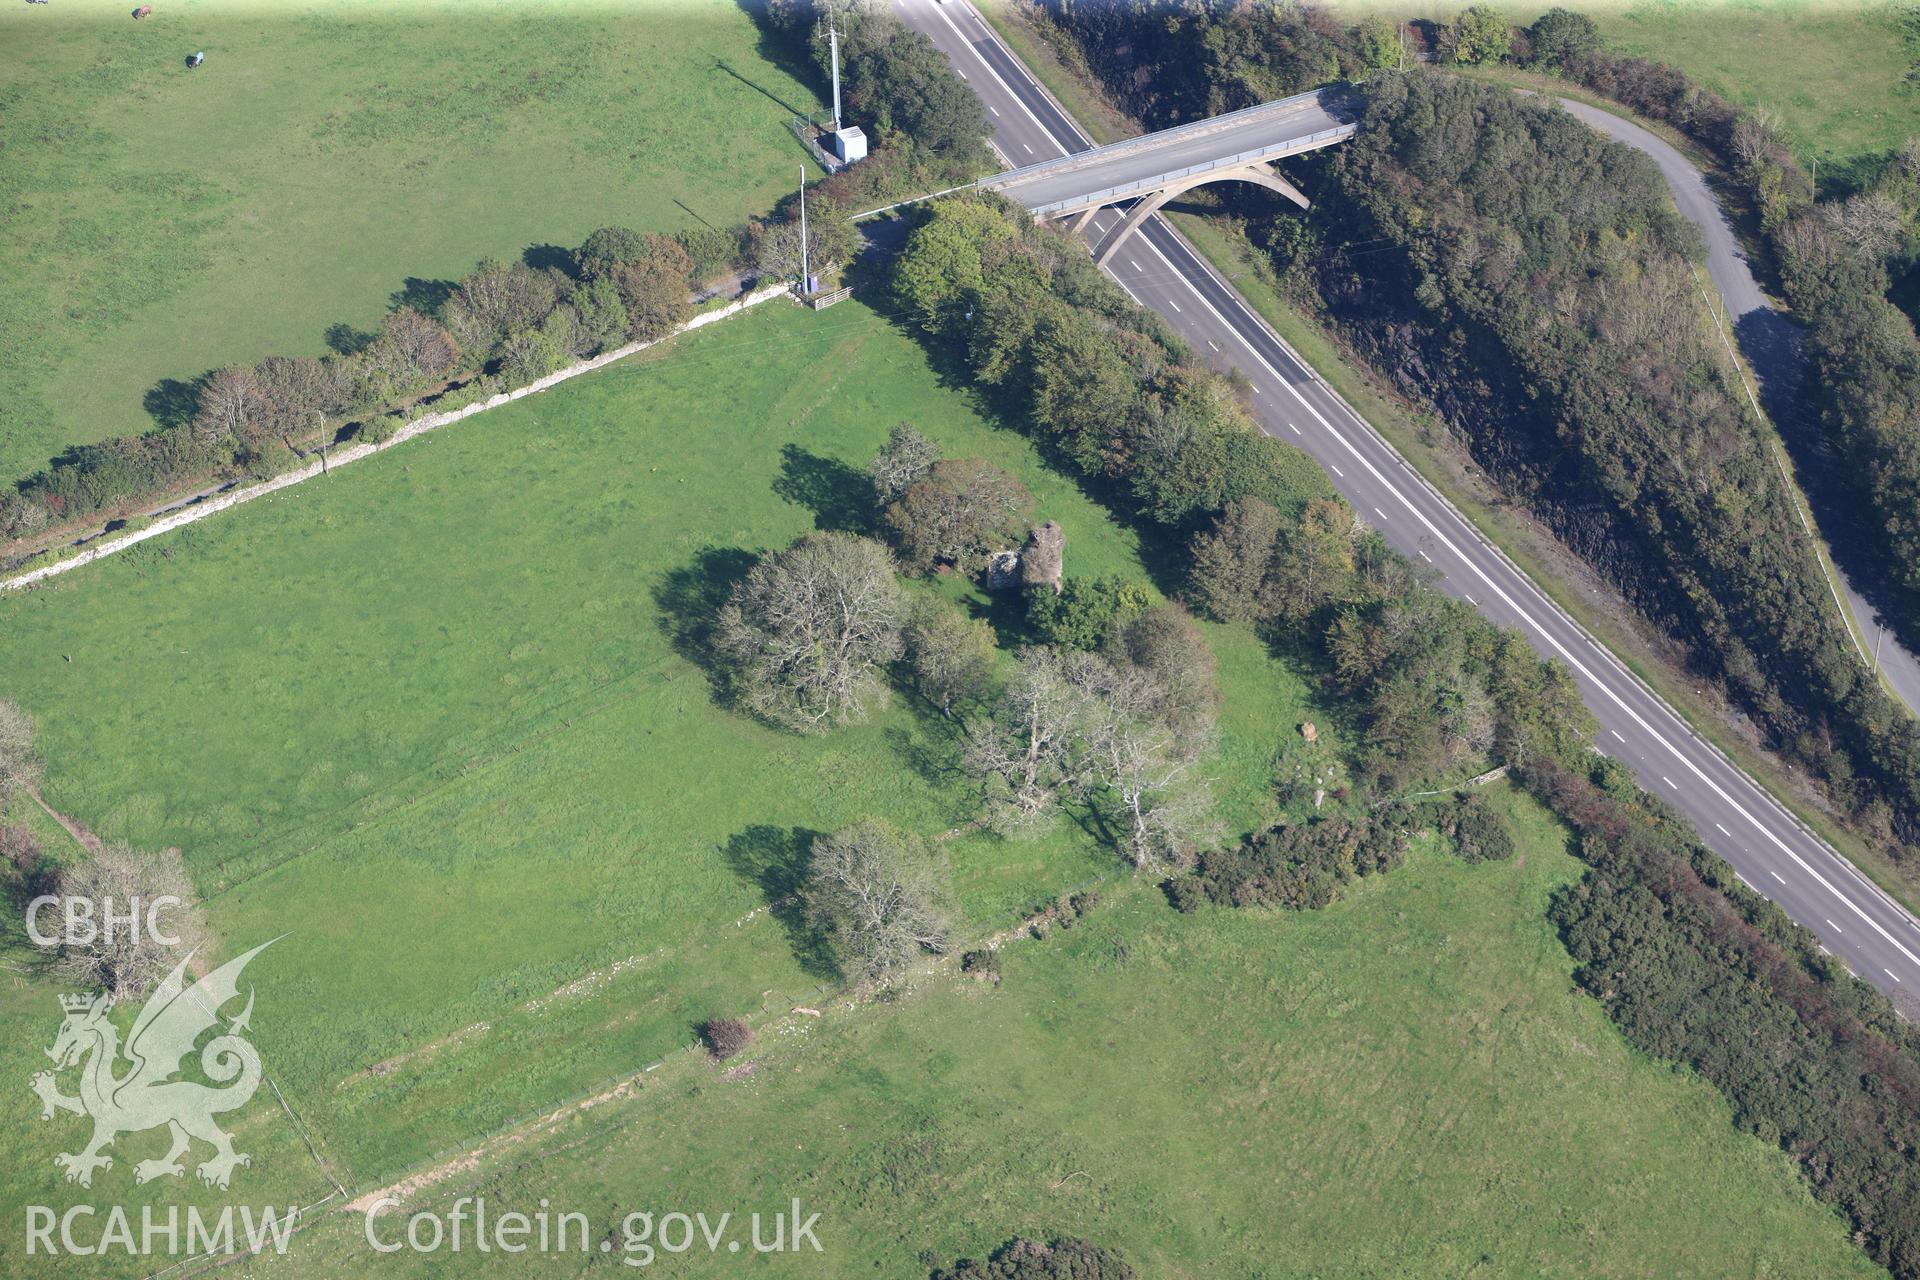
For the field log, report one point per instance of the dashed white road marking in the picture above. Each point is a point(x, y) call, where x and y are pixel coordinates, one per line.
point(1531, 624)
point(1670, 782)
point(1213, 344)
point(1293, 428)
point(1377, 511)
point(1426, 557)
point(1614, 697)
point(1723, 831)
point(1777, 876)
point(1133, 264)
point(1890, 973)
point(1470, 600)
point(1337, 471)
point(1836, 928)
point(995, 110)
point(1026, 148)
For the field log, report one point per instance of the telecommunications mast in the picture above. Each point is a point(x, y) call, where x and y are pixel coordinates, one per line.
point(849, 144)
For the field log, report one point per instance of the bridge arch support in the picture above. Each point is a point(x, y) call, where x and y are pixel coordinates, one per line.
point(1260, 174)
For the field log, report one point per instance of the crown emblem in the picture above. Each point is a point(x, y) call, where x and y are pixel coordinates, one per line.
point(79, 1002)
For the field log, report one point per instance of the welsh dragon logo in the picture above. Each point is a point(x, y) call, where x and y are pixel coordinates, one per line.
point(146, 1095)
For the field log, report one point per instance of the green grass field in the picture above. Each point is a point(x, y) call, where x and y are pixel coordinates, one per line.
point(1834, 72)
point(1400, 1085)
point(428, 715)
point(161, 222)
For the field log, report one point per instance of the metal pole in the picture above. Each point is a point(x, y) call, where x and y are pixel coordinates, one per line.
point(803, 229)
point(833, 46)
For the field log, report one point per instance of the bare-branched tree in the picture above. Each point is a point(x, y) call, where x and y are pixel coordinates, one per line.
point(810, 630)
point(126, 960)
point(880, 896)
point(1024, 752)
point(20, 766)
point(903, 463)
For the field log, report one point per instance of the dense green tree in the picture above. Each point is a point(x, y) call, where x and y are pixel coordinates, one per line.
point(1081, 613)
point(1066, 1259)
point(600, 316)
point(1480, 34)
point(607, 248)
point(949, 655)
point(962, 511)
point(656, 289)
point(1561, 37)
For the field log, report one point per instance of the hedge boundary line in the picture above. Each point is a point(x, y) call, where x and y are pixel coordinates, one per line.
point(324, 463)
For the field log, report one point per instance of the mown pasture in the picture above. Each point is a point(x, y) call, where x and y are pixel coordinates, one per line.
point(327, 158)
point(1401, 1084)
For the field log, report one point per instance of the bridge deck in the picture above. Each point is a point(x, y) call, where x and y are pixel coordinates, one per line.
point(1103, 175)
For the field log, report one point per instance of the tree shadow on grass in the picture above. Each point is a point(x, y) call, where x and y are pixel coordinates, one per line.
point(548, 257)
point(689, 598)
point(424, 296)
point(172, 402)
point(343, 339)
point(775, 860)
point(841, 499)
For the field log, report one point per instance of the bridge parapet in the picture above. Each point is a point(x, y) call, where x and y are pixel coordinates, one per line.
point(1143, 186)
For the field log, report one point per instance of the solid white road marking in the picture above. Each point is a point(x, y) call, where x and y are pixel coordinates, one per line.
point(1017, 99)
point(1571, 659)
point(1743, 880)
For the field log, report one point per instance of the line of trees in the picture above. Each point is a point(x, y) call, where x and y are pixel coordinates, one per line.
point(1696, 969)
point(1692, 966)
point(506, 324)
point(1167, 63)
point(1547, 305)
point(502, 325)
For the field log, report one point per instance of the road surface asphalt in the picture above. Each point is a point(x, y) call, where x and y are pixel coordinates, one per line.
point(1769, 340)
point(1770, 850)
point(1274, 128)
